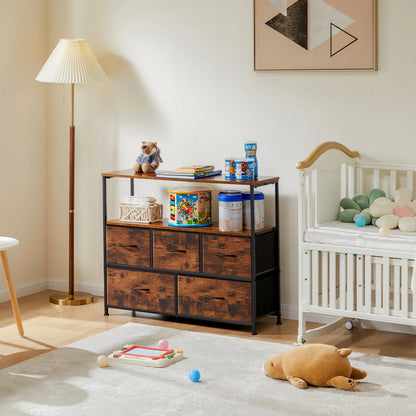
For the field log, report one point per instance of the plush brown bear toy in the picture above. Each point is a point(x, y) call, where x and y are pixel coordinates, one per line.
point(149, 158)
point(316, 364)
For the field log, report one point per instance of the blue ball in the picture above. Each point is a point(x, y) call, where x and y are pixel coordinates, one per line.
point(194, 375)
point(360, 221)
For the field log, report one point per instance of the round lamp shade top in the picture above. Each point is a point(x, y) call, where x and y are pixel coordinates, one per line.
point(71, 62)
point(7, 242)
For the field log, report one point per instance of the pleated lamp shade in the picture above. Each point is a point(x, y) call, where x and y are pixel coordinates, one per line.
point(71, 62)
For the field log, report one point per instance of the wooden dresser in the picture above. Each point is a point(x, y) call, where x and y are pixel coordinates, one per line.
point(201, 273)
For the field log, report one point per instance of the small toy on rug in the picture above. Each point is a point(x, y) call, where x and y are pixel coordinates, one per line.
point(102, 361)
point(149, 158)
point(147, 356)
point(194, 376)
point(163, 343)
point(319, 365)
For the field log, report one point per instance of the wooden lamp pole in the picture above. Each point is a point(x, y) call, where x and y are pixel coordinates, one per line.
point(71, 62)
point(72, 297)
point(71, 196)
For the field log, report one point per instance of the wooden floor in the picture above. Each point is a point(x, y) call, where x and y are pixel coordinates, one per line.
point(48, 327)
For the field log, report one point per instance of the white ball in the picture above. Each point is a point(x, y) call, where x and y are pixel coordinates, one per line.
point(102, 361)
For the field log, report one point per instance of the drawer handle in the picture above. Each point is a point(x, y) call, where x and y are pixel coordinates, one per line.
point(226, 255)
point(171, 250)
point(128, 245)
point(214, 297)
point(139, 289)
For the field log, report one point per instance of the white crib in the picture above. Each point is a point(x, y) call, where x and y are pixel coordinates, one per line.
point(360, 275)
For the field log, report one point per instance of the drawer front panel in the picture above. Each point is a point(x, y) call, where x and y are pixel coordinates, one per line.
point(128, 245)
point(176, 250)
point(229, 256)
point(141, 290)
point(213, 298)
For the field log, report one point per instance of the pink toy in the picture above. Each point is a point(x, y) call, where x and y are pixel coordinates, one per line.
point(163, 343)
point(403, 211)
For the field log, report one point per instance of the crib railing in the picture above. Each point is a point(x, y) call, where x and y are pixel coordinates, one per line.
point(321, 189)
point(358, 284)
point(389, 178)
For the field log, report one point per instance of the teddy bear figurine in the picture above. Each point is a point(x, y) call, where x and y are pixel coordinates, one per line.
point(149, 158)
point(319, 365)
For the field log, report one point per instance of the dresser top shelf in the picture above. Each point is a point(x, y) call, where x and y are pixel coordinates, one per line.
point(210, 229)
point(128, 173)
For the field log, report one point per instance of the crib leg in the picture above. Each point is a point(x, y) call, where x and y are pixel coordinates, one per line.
point(300, 340)
point(301, 326)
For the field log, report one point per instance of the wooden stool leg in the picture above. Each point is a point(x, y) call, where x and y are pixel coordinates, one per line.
point(13, 298)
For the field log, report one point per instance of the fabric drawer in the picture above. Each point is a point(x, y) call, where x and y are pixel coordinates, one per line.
point(214, 298)
point(176, 250)
point(227, 256)
point(128, 246)
point(141, 290)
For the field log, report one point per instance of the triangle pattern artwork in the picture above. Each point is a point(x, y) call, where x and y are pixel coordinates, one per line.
point(315, 34)
point(278, 5)
point(340, 39)
point(322, 15)
point(294, 26)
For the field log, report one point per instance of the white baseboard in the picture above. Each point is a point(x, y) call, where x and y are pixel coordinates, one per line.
point(96, 289)
point(25, 289)
point(288, 311)
point(53, 284)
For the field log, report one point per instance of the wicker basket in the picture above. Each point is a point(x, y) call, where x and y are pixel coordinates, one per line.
point(141, 209)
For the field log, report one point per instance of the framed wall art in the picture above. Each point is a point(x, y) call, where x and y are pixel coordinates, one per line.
point(315, 34)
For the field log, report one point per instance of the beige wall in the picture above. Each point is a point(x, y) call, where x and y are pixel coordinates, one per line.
point(181, 72)
point(23, 142)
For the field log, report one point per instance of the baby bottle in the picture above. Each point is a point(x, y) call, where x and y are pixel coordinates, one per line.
point(250, 148)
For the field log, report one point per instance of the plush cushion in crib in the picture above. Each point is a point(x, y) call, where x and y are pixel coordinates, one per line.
point(348, 234)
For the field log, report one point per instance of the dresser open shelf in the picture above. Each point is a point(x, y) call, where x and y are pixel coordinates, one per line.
point(192, 272)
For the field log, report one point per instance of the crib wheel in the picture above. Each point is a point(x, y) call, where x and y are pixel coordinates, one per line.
point(349, 325)
point(300, 342)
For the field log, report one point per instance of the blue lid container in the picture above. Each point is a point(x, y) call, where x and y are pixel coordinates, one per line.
point(257, 196)
point(230, 196)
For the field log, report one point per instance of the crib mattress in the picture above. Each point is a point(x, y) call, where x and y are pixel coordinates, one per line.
point(348, 234)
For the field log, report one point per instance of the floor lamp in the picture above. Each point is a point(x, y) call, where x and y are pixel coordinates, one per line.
point(71, 62)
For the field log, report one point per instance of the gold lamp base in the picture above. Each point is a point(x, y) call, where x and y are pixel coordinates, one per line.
point(62, 298)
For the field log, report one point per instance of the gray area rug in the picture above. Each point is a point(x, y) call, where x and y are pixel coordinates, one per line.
point(69, 382)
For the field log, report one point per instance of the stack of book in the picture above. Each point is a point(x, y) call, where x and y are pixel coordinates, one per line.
point(189, 172)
